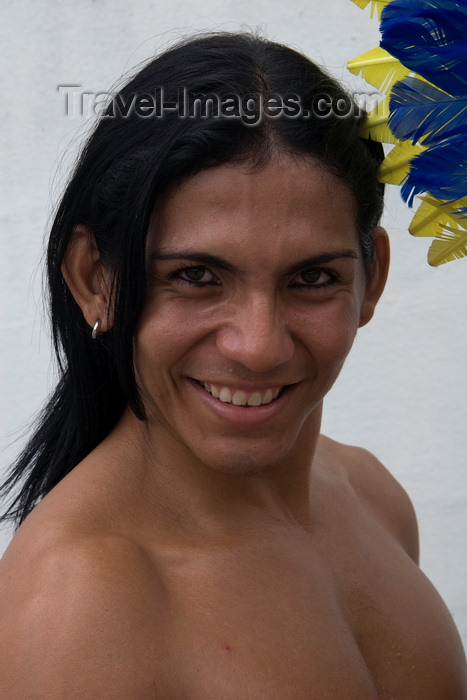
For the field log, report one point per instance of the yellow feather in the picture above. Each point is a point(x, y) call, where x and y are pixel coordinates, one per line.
point(442, 220)
point(428, 217)
point(375, 126)
point(449, 245)
point(395, 167)
point(378, 68)
point(435, 214)
point(432, 214)
point(374, 5)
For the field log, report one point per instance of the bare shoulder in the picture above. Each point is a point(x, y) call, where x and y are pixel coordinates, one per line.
point(392, 586)
point(74, 611)
point(377, 490)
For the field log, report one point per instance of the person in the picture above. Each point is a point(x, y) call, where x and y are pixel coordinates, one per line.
point(185, 529)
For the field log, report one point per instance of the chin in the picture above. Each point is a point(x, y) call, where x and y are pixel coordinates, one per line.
point(245, 459)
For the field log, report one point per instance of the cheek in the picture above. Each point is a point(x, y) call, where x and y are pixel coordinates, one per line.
point(330, 331)
point(165, 334)
point(165, 325)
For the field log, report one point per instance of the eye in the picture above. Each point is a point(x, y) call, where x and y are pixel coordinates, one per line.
point(195, 274)
point(314, 278)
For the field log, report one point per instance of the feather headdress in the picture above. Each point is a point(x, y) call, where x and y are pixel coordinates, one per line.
point(421, 65)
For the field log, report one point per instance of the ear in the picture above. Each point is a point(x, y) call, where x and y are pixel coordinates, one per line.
point(87, 278)
point(378, 276)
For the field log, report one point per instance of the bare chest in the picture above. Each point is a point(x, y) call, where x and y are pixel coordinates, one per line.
point(303, 628)
point(263, 638)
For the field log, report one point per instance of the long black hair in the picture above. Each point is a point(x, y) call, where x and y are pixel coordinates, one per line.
point(145, 140)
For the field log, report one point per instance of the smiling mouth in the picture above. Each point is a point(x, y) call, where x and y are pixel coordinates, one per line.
point(240, 397)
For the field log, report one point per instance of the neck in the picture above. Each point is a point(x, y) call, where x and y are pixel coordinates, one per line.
point(174, 486)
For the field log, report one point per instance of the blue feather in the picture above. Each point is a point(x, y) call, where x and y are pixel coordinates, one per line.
point(441, 170)
point(429, 40)
point(421, 112)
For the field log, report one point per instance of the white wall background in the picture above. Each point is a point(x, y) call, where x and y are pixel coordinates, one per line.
point(402, 393)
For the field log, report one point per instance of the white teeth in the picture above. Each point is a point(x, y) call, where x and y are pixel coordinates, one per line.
point(239, 397)
point(212, 390)
point(225, 395)
point(255, 399)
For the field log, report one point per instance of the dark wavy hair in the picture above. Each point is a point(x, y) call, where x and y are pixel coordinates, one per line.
point(129, 160)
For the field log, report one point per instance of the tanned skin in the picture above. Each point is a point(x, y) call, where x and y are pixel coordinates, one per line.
point(222, 552)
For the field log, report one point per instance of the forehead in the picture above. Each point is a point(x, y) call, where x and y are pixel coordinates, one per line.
point(287, 205)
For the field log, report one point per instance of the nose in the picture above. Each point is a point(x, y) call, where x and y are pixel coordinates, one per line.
point(256, 335)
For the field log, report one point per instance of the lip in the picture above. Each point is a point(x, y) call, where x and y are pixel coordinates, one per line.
point(244, 416)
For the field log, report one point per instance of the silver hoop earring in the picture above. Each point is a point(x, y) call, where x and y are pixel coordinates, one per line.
point(95, 329)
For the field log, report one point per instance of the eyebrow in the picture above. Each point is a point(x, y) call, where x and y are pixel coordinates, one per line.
point(193, 256)
point(208, 259)
point(321, 259)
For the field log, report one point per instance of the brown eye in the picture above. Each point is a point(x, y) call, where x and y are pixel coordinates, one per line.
point(194, 274)
point(313, 278)
point(197, 275)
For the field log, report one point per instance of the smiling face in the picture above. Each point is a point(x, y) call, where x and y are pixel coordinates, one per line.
point(256, 288)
